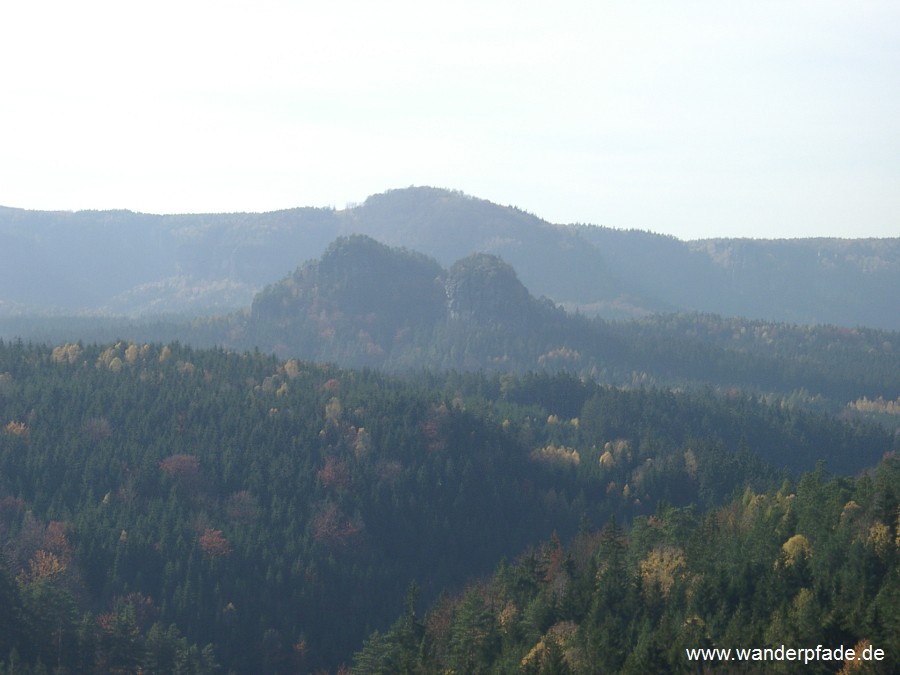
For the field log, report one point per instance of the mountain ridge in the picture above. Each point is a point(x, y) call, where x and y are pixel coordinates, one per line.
point(364, 304)
point(142, 264)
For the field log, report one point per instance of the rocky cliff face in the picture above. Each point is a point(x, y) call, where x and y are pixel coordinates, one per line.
point(484, 289)
point(367, 303)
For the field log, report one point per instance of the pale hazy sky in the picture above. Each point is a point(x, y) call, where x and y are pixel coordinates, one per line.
point(693, 118)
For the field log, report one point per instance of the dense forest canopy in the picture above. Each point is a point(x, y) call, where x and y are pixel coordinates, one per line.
point(162, 504)
point(364, 304)
point(456, 438)
point(811, 566)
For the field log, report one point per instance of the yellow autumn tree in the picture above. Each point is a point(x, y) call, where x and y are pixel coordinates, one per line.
point(795, 549)
point(363, 443)
point(879, 538)
point(333, 411)
point(556, 454)
point(661, 569)
point(67, 353)
point(292, 368)
point(131, 353)
point(559, 637)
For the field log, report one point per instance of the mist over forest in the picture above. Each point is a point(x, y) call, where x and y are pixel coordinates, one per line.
point(428, 433)
point(133, 264)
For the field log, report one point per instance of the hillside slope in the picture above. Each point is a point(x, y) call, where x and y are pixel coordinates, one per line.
point(149, 264)
point(366, 304)
point(277, 510)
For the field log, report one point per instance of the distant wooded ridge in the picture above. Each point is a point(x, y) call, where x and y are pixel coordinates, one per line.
point(367, 305)
point(229, 443)
point(125, 263)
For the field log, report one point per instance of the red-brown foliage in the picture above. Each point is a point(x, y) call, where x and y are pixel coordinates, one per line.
point(214, 544)
point(334, 474)
point(184, 468)
point(332, 526)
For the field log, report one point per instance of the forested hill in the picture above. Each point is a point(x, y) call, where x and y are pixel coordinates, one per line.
point(365, 304)
point(151, 264)
point(165, 509)
point(814, 563)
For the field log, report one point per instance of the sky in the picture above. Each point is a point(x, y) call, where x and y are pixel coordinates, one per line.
point(692, 118)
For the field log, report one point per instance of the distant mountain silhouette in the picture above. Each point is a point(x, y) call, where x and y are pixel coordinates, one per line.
point(119, 262)
point(366, 304)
